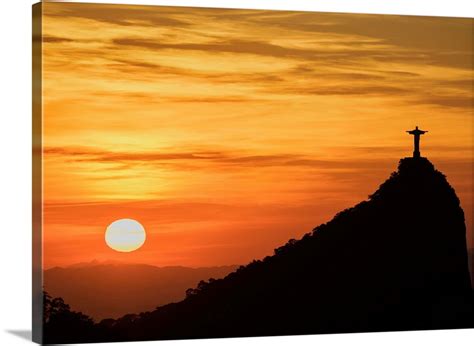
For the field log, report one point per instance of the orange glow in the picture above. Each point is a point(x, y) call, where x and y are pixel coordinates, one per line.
point(227, 132)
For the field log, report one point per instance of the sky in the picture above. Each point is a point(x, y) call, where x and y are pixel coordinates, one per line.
point(227, 132)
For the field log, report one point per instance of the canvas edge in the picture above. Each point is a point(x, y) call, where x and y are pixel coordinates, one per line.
point(37, 176)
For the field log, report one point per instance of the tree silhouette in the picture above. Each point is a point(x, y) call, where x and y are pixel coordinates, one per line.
point(60, 323)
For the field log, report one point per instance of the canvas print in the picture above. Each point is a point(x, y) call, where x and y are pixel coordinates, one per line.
point(212, 173)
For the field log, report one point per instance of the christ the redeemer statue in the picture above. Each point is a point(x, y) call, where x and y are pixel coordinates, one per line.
point(416, 134)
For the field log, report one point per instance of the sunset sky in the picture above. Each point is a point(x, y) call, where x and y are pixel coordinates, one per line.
point(227, 132)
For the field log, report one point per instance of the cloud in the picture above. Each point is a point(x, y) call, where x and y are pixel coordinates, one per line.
point(116, 14)
point(211, 159)
point(95, 155)
point(56, 39)
point(85, 154)
point(429, 35)
point(464, 102)
point(464, 84)
point(216, 99)
point(149, 71)
point(267, 49)
point(397, 151)
point(341, 168)
point(335, 54)
point(402, 73)
point(347, 90)
point(153, 97)
point(223, 46)
point(377, 37)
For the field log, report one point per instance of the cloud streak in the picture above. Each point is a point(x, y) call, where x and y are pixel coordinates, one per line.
point(210, 159)
point(117, 15)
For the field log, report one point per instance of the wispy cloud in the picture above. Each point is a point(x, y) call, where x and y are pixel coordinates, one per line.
point(212, 159)
point(117, 14)
point(319, 53)
point(91, 154)
point(465, 102)
point(56, 39)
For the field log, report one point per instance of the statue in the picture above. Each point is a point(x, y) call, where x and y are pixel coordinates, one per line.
point(416, 133)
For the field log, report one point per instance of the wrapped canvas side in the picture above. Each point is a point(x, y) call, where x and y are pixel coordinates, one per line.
point(37, 217)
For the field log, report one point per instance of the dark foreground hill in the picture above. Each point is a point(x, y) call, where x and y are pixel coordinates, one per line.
point(395, 262)
point(111, 290)
point(471, 264)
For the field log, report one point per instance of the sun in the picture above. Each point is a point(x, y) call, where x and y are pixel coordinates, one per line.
point(125, 235)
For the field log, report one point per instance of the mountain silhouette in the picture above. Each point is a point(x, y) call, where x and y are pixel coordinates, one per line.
point(397, 261)
point(113, 289)
point(471, 264)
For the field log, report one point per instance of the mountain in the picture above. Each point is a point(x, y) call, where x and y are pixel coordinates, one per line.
point(471, 264)
point(397, 261)
point(112, 289)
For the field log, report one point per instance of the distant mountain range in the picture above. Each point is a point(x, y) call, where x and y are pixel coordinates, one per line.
point(113, 289)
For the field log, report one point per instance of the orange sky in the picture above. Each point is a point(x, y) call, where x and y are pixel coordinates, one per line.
point(227, 132)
